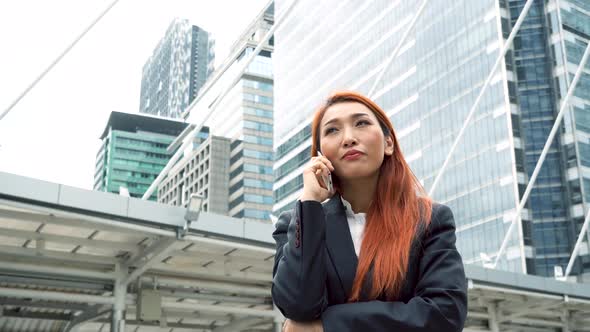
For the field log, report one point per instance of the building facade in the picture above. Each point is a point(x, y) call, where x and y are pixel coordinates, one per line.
point(427, 93)
point(178, 67)
point(565, 34)
point(245, 116)
point(133, 152)
point(203, 170)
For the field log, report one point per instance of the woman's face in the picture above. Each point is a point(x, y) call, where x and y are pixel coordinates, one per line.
point(352, 139)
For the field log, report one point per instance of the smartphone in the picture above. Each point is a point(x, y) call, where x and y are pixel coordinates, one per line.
point(327, 179)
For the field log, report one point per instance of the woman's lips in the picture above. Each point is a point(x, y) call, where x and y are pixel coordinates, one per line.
point(353, 156)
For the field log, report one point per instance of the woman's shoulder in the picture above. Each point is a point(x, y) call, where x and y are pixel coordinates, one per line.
point(440, 229)
point(432, 211)
point(441, 213)
point(440, 210)
point(440, 219)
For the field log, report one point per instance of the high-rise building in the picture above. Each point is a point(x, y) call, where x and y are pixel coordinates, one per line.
point(178, 67)
point(203, 170)
point(428, 91)
point(133, 152)
point(245, 116)
point(546, 57)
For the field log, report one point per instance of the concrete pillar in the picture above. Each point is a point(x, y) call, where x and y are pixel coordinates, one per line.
point(565, 317)
point(120, 292)
point(493, 320)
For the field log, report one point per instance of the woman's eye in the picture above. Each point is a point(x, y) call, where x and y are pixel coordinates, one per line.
point(329, 131)
point(363, 122)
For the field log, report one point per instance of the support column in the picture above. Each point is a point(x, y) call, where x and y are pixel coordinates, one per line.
point(493, 320)
point(120, 292)
point(565, 317)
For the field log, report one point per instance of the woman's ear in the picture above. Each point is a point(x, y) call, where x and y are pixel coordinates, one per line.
point(389, 146)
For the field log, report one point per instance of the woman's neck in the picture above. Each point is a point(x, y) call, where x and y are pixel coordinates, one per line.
point(359, 192)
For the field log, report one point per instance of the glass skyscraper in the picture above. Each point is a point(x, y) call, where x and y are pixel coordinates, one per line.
point(178, 67)
point(245, 116)
point(562, 30)
point(428, 91)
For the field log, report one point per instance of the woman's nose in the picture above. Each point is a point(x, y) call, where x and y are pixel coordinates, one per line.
point(349, 139)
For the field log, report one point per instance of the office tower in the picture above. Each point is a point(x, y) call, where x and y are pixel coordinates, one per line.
point(203, 170)
point(180, 64)
point(428, 91)
point(133, 152)
point(545, 59)
point(245, 116)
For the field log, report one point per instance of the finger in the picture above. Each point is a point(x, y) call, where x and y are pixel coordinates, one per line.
point(320, 165)
point(329, 163)
point(326, 161)
point(321, 173)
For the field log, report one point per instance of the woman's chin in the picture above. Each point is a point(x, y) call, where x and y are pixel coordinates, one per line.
point(352, 174)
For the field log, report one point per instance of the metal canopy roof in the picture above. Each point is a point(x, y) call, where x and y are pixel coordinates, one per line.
point(63, 248)
point(69, 256)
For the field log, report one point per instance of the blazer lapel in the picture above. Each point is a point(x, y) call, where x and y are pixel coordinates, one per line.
point(339, 243)
point(367, 284)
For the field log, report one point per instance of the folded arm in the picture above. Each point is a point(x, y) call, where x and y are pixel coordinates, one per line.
point(440, 301)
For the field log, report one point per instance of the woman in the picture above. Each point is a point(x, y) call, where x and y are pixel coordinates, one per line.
point(378, 255)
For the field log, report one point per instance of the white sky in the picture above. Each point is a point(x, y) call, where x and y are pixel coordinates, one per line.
point(52, 134)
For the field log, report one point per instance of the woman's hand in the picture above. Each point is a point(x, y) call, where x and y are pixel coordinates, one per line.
point(313, 185)
point(293, 326)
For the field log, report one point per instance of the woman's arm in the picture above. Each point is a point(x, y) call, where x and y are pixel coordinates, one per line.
point(299, 273)
point(440, 301)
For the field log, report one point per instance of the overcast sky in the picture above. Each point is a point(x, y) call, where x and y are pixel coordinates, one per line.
point(52, 134)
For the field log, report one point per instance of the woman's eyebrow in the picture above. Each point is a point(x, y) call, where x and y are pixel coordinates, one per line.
point(352, 116)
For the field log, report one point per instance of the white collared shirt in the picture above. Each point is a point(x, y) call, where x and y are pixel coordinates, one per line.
point(356, 224)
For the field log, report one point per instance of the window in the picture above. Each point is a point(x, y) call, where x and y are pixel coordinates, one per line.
point(236, 157)
point(257, 184)
point(257, 85)
point(258, 112)
point(258, 126)
point(258, 169)
point(258, 99)
point(294, 141)
point(236, 202)
point(289, 187)
point(238, 185)
point(258, 140)
point(300, 159)
point(258, 214)
point(260, 199)
point(258, 154)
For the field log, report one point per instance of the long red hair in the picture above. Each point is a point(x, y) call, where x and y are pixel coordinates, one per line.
point(394, 216)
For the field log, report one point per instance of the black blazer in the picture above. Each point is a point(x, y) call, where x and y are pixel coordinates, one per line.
point(315, 266)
